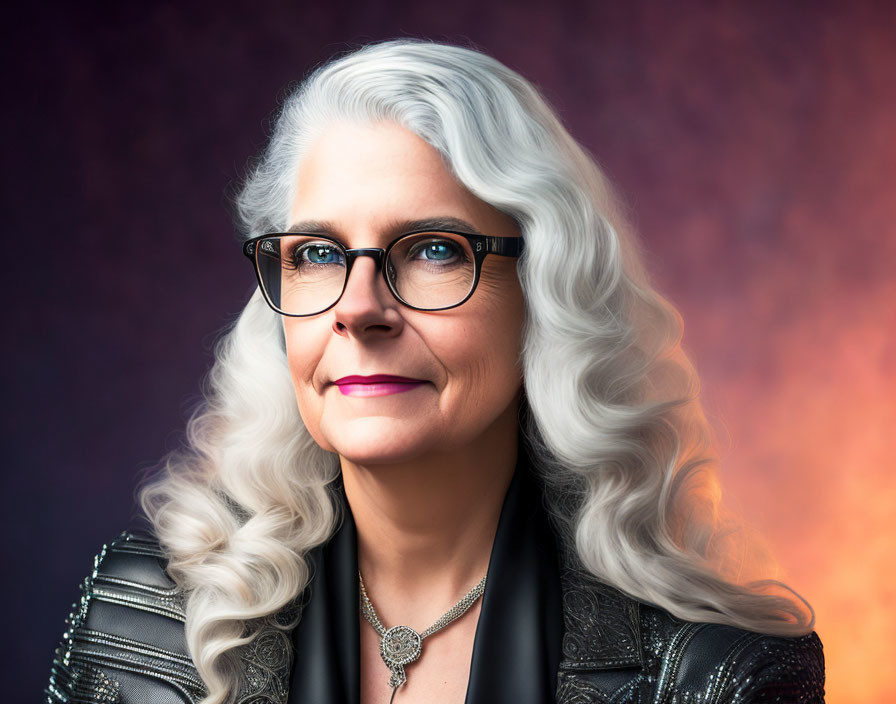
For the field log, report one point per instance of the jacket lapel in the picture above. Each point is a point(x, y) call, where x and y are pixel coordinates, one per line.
point(601, 625)
point(517, 648)
point(601, 638)
point(541, 615)
point(327, 640)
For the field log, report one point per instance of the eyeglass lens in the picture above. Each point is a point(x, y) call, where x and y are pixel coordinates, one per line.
point(304, 274)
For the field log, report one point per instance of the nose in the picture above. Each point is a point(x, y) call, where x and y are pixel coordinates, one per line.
point(367, 307)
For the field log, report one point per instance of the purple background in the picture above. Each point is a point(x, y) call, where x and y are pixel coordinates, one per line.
point(755, 145)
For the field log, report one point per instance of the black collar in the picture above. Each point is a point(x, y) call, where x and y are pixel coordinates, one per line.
point(537, 615)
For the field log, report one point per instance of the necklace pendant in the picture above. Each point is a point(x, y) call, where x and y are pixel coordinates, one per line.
point(400, 646)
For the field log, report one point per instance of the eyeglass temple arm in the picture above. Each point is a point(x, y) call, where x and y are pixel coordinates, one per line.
point(504, 246)
point(249, 247)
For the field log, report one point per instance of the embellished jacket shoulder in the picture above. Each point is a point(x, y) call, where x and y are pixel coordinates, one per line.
point(616, 649)
point(124, 644)
point(124, 641)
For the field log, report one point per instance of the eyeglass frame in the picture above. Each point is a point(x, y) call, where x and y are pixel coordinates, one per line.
point(482, 246)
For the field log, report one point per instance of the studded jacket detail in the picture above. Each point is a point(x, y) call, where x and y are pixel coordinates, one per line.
point(124, 644)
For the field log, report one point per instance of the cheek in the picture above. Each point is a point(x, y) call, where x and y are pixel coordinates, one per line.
point(501, 315)
point(484, 351)
point(302, 358)
point(298, 353)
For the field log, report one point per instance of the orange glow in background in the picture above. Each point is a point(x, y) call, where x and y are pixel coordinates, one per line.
point(810, 462)
point(781, 256)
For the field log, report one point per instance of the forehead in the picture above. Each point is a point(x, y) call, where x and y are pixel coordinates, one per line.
point(369, 177)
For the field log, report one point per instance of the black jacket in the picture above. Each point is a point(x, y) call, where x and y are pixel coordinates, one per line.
point(547, 632)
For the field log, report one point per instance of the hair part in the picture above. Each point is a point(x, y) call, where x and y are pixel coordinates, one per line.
point(616, 430)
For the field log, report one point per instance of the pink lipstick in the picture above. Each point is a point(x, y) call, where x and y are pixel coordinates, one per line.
point(376, 385)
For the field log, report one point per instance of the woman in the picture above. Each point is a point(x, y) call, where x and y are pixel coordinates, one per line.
point(451, 450)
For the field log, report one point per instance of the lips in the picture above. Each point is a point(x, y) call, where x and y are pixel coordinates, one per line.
point(376, 379)
point(376, 385)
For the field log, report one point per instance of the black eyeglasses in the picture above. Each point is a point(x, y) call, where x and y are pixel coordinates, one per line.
point(303, 274)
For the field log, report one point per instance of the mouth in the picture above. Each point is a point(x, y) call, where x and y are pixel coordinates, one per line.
point(376, 385)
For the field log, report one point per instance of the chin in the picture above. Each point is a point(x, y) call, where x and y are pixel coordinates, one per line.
point(380, 440)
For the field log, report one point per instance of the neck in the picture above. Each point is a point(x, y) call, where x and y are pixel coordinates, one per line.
point(426, 527)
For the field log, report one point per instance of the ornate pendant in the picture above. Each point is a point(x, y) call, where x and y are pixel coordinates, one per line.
point(400, 646)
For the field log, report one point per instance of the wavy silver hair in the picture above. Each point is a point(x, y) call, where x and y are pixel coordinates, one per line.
point(611, 408)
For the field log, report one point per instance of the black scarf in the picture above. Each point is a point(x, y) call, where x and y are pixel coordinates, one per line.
point(516, 652)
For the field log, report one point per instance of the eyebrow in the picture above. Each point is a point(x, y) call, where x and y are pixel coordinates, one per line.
point(396, 227)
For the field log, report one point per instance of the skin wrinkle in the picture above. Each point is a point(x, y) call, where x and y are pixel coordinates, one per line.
point(486, 285)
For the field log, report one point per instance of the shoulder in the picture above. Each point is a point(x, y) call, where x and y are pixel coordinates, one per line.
point(124, 639)
point(729, 664)
point(621, 650)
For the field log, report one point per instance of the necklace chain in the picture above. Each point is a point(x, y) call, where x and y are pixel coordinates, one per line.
point(402, 645)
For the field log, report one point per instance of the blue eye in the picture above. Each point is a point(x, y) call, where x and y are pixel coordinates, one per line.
point(319, 254)
point(436, 251)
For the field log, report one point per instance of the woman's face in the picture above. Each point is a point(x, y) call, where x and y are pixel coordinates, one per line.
point(362, 183)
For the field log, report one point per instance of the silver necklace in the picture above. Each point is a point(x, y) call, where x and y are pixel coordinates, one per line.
point(402, 645)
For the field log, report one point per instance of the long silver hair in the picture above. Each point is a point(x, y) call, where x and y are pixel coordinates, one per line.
point(611, 408)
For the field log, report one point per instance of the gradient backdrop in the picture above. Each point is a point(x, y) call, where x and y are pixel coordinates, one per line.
point(755, 143)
